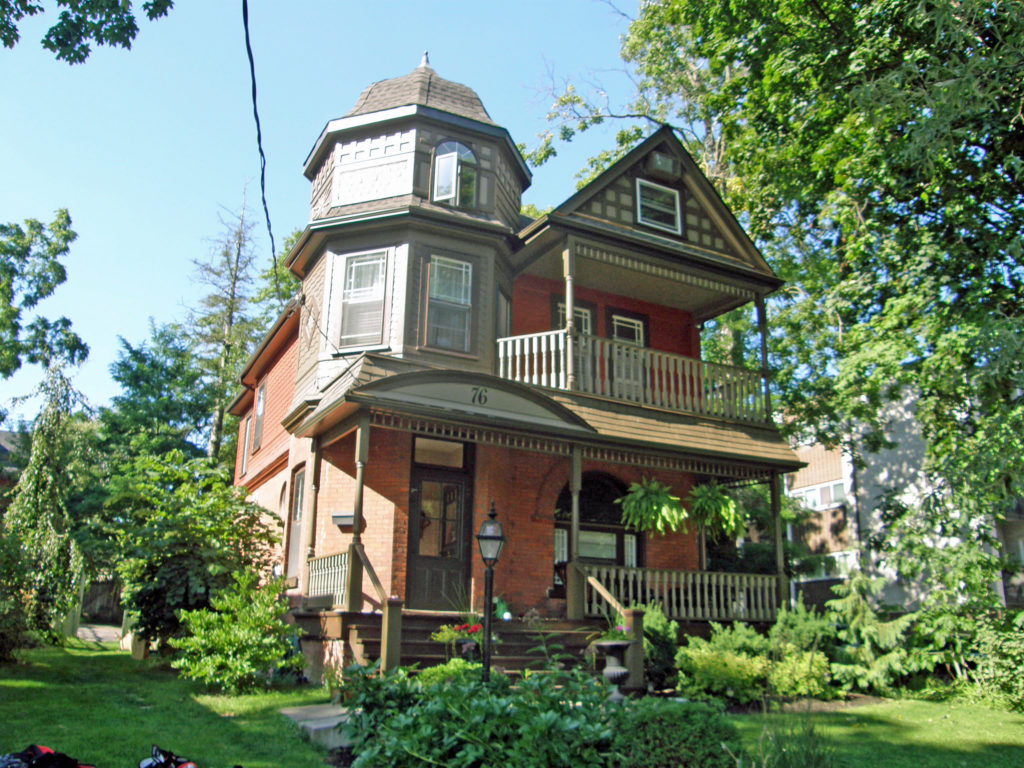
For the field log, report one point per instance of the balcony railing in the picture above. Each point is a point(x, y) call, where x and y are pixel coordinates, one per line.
point(685, 595)
point(634, 374)
point(327, 578)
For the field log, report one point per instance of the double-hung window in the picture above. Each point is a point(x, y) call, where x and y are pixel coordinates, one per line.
point(657, 206)
point(362, 300)
point(449, 304)
point(257, 425)
point(455, 175)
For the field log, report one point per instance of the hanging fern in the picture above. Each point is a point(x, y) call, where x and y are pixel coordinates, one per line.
point(713, 511)
point(650, 507)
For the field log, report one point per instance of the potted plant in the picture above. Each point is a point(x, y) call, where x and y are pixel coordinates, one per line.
point(463, 639)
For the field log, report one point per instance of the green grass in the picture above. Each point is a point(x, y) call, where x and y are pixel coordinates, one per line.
point(94, 703)
point(912, 734)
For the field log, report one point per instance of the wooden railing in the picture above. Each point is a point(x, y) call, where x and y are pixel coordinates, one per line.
point(635, 374)
point(684, 595)
point(328, 576)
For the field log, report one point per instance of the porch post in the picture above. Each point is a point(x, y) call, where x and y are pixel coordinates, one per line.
point(308, 530)
point(569, 269)
point(354, 587)
point(634, 659)
point(780, 560)
point(762, 325)
point(574, 586)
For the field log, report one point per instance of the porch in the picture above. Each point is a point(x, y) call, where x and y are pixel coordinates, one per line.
point(579, 362)
point(686, 596)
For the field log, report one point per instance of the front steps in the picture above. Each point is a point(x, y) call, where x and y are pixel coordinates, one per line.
point(520, 645)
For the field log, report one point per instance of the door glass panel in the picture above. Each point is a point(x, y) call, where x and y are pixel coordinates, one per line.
point(440, 519)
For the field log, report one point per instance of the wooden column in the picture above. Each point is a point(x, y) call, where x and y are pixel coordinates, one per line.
point(762, 325)
point(307, 532)
point(634, 659)
point(574, 585)
point(354, 587)
point(568, 271)
point(780, 559)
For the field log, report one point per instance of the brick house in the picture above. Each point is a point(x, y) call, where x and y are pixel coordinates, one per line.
point(445, 353)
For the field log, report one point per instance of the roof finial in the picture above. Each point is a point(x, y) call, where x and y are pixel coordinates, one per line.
point(426, 60)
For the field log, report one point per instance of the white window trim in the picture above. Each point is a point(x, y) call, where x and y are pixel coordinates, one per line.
point(465, 302)
point(678, 228)
point(245, 445)
point(334, 296)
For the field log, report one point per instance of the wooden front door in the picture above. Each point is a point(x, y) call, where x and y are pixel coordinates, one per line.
point(440, 533)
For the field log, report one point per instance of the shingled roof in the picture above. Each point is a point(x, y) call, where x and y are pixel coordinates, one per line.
point(422, 86)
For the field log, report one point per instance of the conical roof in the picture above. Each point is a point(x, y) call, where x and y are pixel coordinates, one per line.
point(422, 86)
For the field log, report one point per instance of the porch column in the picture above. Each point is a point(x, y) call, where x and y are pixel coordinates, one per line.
point(308, 530)
point(574, 585)
point(780, 560)
point(762, 325)
point(354, 587)
point(568, 270)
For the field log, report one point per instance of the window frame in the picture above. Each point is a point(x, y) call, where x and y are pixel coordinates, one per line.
point(246, 432)
point(258, 409)
point(337, 290)
point(677, 229)
point(435, 305)
point(462, 159)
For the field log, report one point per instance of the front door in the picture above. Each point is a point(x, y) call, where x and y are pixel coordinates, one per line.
point(440, 532)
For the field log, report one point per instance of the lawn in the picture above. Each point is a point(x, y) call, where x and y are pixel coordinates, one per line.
point(96, 704)
point(913, 734)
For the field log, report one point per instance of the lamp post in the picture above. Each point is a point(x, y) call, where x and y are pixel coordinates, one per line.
point(490, 540)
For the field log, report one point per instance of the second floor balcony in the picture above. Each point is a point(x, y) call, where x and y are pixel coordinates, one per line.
point(634, 374)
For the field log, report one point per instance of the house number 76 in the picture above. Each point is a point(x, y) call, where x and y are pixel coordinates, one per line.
point(479, 395)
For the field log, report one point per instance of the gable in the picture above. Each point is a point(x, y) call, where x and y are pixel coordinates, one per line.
point(637, 195)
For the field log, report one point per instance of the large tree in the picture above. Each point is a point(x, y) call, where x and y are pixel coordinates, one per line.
point(30, 271)
point(80, 23)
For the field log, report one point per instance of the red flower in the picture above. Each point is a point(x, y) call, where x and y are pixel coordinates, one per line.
point(462, 627)
point(475, 628)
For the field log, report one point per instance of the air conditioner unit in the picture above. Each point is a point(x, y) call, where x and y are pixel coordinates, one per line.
point(663, 166)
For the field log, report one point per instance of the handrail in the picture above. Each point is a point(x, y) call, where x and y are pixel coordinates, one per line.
point(609, 598)
point(368, 568)
point(623, 371)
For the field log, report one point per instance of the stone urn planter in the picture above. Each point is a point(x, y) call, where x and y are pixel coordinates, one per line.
point(614, 671)
point(467, 648)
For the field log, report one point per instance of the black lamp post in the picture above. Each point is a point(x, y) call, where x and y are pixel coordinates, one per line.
point(490, 540)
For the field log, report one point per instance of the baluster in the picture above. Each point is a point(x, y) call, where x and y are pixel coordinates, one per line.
point(647, 376)
point(559, 360)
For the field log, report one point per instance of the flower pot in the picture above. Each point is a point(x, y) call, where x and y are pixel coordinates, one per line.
point(467, 648)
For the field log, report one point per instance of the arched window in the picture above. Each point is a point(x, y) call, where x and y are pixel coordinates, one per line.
point(455, 175)
point(603, 537)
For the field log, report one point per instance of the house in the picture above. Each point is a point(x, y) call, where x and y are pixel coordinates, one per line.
point(445, 354)
point(846, 523)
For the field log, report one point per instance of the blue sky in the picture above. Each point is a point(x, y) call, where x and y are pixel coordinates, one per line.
point(146, 148)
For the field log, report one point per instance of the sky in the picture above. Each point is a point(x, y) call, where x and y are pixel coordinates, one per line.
point(149, 149)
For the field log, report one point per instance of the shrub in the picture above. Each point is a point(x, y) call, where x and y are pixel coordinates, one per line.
point(651, 733)
point(802, 673)
point(803, 629)
point(452, 671)
point(551, 720)
point(13, 618)
point(661, 643)
point(705, 671)
point(242, 641)
point(736, 638)
point(999, 644)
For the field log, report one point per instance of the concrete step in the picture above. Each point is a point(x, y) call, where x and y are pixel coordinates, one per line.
point(320, 723)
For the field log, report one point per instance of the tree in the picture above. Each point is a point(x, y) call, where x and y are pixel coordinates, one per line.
point(30, 271)
point(165, 402)
point(81, 21)
point(38, 517)
point(878, 151)
point(185, 530)
point(224, 327)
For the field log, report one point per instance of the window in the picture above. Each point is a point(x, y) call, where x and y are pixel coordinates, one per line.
point(439, 453)
point(257, 427)
point(657, 206)
point(245, 444)
point(629, 330)
point(298, 484)
point(455, 175)
point(362, 300)
point(628, 376)
point(503, 322)
point(449, 303)
point(581, 315)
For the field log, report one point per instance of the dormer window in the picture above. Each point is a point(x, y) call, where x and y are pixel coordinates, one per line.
point(455, 175)
point(657, 206)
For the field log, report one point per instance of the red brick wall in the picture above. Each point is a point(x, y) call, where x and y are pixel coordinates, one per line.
point(671, 330)
point(275, 441)
point(524, 487)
